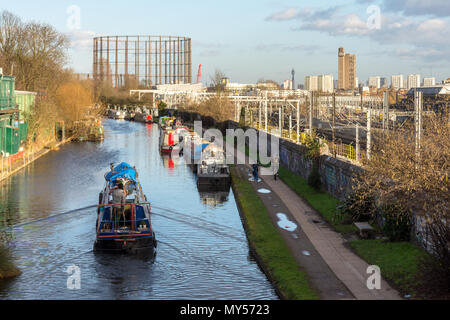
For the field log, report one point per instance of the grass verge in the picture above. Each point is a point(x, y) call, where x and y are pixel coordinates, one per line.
point(398, 262)
point(268, 245)
point(322, 202)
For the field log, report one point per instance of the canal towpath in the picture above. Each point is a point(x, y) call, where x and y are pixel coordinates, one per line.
point(334, 270)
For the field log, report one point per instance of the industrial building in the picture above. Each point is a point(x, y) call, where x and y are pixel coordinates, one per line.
point(440, 90)
point(142, 61)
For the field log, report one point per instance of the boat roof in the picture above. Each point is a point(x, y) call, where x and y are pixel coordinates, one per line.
point(122, 171)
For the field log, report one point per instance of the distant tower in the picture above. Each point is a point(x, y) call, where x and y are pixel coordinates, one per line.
point(346, 70)
point(199, 74)
point(293, 79)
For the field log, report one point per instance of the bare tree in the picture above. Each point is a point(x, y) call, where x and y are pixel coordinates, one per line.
point(11, 30)
point(416, 181)
point(218, 107)
point(36, 54)
point(217, 81)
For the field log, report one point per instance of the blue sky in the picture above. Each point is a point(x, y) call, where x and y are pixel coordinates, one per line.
point(251, 39)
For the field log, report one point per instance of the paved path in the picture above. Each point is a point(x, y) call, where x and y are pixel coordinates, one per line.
point(346, 265)
point(321, 240)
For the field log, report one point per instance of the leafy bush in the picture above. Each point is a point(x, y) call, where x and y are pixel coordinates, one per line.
point(314, 144)
point(359, 205)
point(397, 223)
point(314, 178)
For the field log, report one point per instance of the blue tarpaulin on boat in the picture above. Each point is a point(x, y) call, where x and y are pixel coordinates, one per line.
point(123, 170)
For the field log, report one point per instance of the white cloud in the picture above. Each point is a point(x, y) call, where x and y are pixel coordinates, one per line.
point(427, 37)
point(81, 39)
point(289, 14)
point(209, 53)
point(436, 25)
point(308, 48)
point(437, 8)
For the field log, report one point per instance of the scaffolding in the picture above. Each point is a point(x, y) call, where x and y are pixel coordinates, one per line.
point(142, 61)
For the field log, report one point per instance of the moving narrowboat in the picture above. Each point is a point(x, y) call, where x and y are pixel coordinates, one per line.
point(124, 228)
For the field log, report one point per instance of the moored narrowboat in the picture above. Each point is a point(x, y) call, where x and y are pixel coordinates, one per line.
point(169, 142)
point(213, 170)
point(144, 116)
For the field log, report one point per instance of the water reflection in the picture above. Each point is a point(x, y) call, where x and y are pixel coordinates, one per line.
point(214, 197)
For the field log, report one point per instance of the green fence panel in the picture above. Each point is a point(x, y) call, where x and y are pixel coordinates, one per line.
point(7, 97)
point(23, 132)
point(12, 140)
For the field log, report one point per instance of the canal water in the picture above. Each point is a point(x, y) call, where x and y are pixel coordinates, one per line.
point(47, 212)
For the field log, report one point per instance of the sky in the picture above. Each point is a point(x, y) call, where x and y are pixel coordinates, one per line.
point(253, 39)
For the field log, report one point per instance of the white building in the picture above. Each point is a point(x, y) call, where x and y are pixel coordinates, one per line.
point(325, 83)
point(287, 85)
point(185, 87)
point(397, 82)
point(429, 82)
point(413, 81)
point(312, 83)
point(375, 82)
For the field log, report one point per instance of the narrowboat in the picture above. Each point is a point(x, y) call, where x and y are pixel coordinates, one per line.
point(213, 170)
point(181, 132)
point(166, 122)
point(129, 116)
point(144, 116)
point(116, 114)
point(192, 148)
point(169, 142)
point(124, 228)
point(89, 129)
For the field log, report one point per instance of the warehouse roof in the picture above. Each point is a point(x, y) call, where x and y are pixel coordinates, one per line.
point(431, 91)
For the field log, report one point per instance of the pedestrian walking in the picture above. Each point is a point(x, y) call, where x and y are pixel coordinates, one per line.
point(275, 167)
point(256, 172)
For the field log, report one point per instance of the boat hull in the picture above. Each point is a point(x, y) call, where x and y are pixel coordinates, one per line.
point(170, 150)
point(125, 246)
point(213, 180)
point(143, 118)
